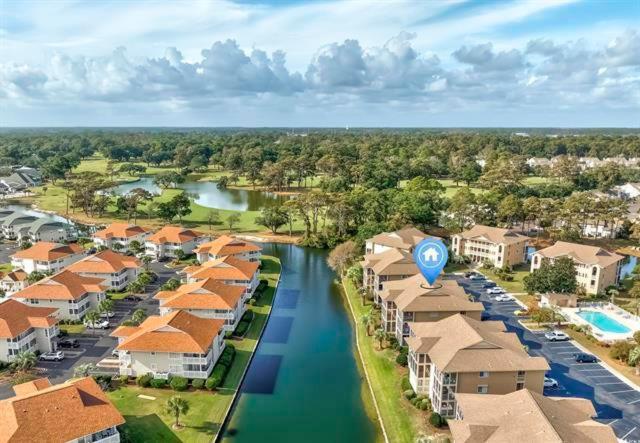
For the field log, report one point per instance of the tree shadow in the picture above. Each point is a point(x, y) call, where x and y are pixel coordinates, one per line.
point(147, 428)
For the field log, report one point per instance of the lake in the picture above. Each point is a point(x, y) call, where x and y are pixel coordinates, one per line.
point(209, 196)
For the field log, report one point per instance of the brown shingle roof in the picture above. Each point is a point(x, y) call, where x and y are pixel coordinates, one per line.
point(226, 268)
point(475, 346)
point(227, 245)
point(204, 294)
point(120, 230)
point(16, 317)
point(64, 285)
point(391, 262)
point(56, 414)
point(526, 416)
point(17, 275)
point(588, 255)
point(48, 251)
point(178, 331)
point(174, 234)
point(493, 235)
point(105, 262)
point(406, 238)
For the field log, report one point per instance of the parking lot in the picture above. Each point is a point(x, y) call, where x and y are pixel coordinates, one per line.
point(616, 402)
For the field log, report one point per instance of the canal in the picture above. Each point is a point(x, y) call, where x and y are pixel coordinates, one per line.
point(303, 383)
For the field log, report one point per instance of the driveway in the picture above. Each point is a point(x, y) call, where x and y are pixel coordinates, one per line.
point(616, 403)
point(7, 249)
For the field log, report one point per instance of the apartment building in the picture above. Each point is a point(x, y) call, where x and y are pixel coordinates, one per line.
point(177, 343)
point(596, 268)
point(26, 328)
point(14, 281)
point(207, 298)
point(459, 354)
point(526, 416)
point(501, 247)
point(47, 257)
point(115, 270)
point(405, 239)
point(389, 265)
point(415, 300)
point(226, 245)
point(170, 239)
point(43, 229)
point(76, 411)
point(118, 236)
point(13, 221)
point(71, 294)
point(228, 270)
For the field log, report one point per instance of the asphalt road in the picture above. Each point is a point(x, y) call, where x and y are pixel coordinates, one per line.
point(616, 403)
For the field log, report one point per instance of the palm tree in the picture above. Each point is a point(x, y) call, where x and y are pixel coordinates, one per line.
point(24, 361)
point(367, 321)
point(117, 246)
point(92, 318)
point(106, 305)
point(175, 406)
point(380, 335)
point(146, 259)
point(138, 316)
point(613, 293)
point(634, 359)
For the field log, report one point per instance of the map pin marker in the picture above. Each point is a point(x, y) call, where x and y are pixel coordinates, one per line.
point(431, 256)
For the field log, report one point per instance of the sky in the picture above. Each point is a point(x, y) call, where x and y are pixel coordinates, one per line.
point(289, 63)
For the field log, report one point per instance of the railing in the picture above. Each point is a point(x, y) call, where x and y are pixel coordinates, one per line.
point(195, 360)
point(194, 374)
point(115, 438)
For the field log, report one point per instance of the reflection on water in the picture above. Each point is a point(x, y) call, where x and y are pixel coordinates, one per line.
point(628, 265)
point(210, 196)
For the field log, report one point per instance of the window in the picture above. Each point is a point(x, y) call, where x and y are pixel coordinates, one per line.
point(519, 385)
point(483, 389)
point(484, 374)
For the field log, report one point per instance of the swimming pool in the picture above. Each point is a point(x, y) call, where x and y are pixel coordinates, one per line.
point(603, 322)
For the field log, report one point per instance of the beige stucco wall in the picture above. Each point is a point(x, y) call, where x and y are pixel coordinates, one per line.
point(436, 316)
point(499, 382)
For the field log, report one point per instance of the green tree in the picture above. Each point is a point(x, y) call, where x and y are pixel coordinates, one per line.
point(273, 218)
point(35, 277)
point(213, 217)
point(634, 359)
point(106, 305)
point(138, 316)
point(136, 247)
point(380, 335)
point(24, 361)
point(146, 260)
point(92, 318)
point(559, 276)
point(367, 321)
point(232, 220)
point(177, 406)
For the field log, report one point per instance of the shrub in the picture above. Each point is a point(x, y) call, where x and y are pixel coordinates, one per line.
point(179, 383)
point(402, 359)
point(144, 381)
point(228, 334)
point(227, 356)
point(217, 376)
point(247, 316)
point(424, 405)
point(123, 379)
point(197, 383)
point(437, 420)
point(158, 383)
point(409, 394)
point(620, 350)
point(252, 301)
point(241, 329)
point(210, 383)
point(636, 336)
point(393, 342)
point(406, 385)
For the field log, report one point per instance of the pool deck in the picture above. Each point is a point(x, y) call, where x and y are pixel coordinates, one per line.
point(615, 313)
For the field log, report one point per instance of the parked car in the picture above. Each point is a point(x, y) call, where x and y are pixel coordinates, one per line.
point(468, 274)
point(52, 356)
point(107, 314)
point(115, 353)
point(476, 276)
point(489, 284)
point(503, 297)
point(585, 358)
point(496, 290)
point(556, 336)
point(69, 343)
point(102, 324)
point(550, 382)
point(132, 297)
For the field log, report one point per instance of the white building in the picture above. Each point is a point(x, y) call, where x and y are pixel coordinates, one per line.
point(226, 245)
point(14, 281)
point(115, 270)
point(26, 328)
point(228, 270)
point(121, 234)
point(170, 239)
point(47, 257)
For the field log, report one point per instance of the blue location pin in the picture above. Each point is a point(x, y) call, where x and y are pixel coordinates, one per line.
point(431, 256)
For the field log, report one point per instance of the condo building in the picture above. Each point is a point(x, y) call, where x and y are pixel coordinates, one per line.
point(26, 328)
point(118, 236)
point(498, 246)
point(226, 245)
point(404, 239)
point(170, 239)
point(115, 270)
point(47, 257)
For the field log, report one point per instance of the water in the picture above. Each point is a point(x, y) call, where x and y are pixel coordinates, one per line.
point(303, 384)
point(603, 322)
point(210, 196)
point(628, 265)
point(28, 211)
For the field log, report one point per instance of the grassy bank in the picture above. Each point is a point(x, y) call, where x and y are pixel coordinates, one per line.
point(402, 422)
point(146, 420)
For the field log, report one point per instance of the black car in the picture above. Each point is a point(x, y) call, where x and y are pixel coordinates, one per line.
point(585, 358)
point(133, 298)
point(69, 343)
point(468, 274)
point(489, 284)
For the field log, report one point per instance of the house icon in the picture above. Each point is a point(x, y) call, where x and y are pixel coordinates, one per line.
point(430, 255)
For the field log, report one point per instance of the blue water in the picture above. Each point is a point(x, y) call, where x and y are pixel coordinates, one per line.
point(628, 265)
point(603, 322)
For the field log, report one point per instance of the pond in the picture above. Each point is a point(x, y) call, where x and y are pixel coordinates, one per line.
point(303, 384)
point(209, 196)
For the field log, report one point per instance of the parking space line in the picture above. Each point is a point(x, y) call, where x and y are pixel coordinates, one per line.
point(565, 352)
point(612, 383)
point(634, 402)
point(622, 392)
point(613, 421)
point(628, 433)
point(604, 376)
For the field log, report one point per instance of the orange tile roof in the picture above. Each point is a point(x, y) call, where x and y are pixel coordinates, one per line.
point(105, 262)
point(204, 294)
point(226, 268)
point(227, 245)
point(17, 275)
point(120, 230)
point(64, 285)
point(174, 234)
point(48, 251)
point(16, 317)
point(178, 331)
point(56, 414)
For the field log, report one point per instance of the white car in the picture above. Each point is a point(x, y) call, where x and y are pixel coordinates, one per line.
point(107, 314)
point(52, 356)
point(503, 297)
point(550, 382)
point(556, 336)
point(496, 290)
point(102, 324)
point(477, 277)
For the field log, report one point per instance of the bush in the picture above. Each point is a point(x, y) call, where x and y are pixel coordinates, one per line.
point(227, 356)
point(424, 405)
point(636, 337)
point(241, 329)
point(197, 383)
point(620, 350)
point(437, 420)
point(217, 376)
point(123, 379)
point(179, 383)
point(252, 301)
point(144, 381)
point(158, 383)
point(210, 383)
point(402, 359)
point(393, 342)
point(406, 385)
point(247, 316)
point(409, 394)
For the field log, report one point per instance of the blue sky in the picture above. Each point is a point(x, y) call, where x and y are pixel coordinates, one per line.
point(320, 63)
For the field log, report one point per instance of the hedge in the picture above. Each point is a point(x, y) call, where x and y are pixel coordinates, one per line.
point(158, 383)
point(241, 329)
point(197, 383)
point(247, 316)
point(437, 420)
point(144, 381)
point(406, 385)
point(179, 383)
point(217, 376)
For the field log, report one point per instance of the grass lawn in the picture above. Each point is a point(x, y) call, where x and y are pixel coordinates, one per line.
point(451, 188)
point(146, 419)
point(5, 268)
point(516, 285)
point(403, 422)
point(118, 295)
point(72, 329)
